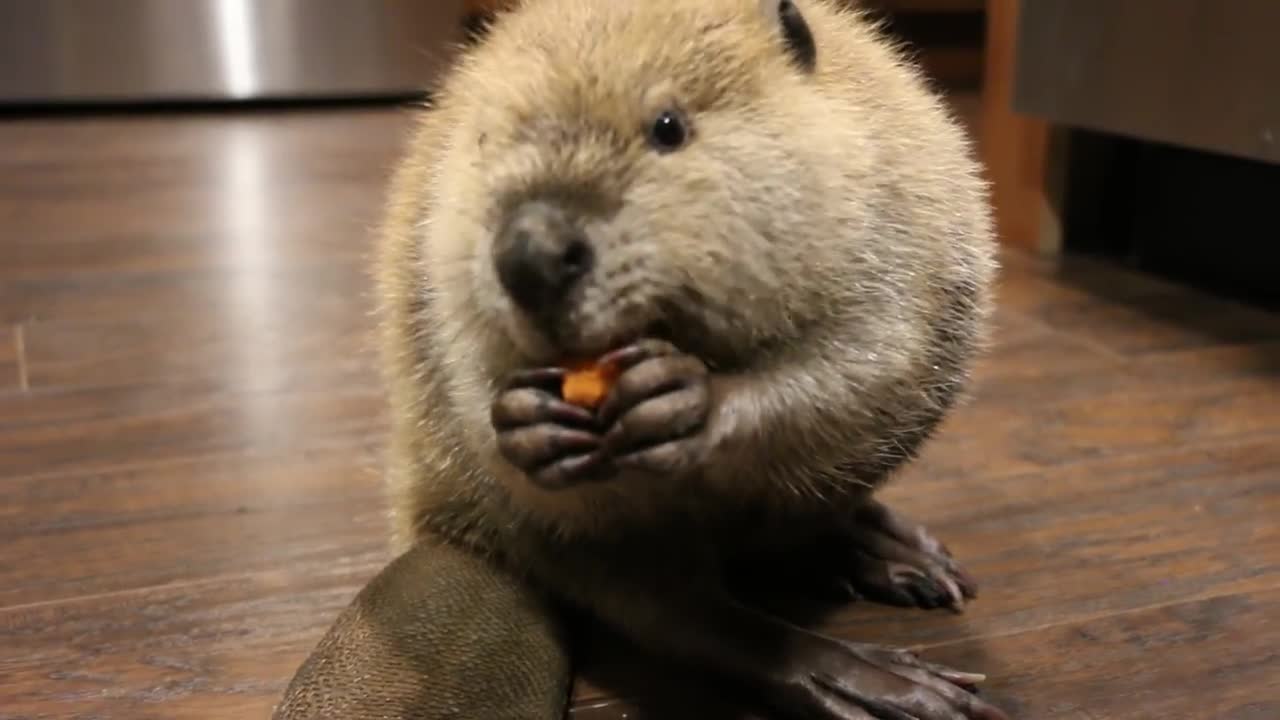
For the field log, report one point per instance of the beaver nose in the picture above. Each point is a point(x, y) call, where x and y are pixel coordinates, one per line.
point(539, 254)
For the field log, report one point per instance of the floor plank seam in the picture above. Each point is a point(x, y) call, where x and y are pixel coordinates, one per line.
point(202, 388)
point(20, 356)
point(192, 583)
point(1137, 454)
point(353, 383)
point(373, 494)
point(338, 442)
point(1094, 617)
point(375, 443)
point(1050, 330)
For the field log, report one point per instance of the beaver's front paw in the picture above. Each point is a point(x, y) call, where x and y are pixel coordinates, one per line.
point(554, 442)
point(657, 409)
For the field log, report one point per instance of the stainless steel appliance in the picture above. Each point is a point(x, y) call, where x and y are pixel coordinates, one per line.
point(54, 51)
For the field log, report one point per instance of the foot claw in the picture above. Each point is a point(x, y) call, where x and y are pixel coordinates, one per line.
point(899, 563)
point(927, 594)
point(890, 684)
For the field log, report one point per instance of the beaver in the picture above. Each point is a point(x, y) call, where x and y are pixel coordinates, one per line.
point(761, 215)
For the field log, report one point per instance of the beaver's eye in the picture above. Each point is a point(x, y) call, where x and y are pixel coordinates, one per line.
point(668, 131)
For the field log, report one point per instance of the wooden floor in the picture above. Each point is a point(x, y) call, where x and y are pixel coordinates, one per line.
point(190, 424)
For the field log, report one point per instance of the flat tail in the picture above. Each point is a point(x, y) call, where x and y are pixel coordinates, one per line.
point(438, 633)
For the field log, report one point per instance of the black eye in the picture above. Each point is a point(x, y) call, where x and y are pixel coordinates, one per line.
point(668, 131)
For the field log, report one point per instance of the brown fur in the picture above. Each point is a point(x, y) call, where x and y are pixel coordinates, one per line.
point(826, 236)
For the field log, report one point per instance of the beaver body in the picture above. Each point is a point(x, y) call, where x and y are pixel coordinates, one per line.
point(759, 211)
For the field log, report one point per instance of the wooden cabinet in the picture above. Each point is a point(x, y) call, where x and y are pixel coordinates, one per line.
point(1201, 74)
point(1144, 131)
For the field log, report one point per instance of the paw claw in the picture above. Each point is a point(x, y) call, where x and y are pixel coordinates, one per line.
point(569, 471)
point(546, 378)
point(553, 442)
point(633, 354)
point(656, 408)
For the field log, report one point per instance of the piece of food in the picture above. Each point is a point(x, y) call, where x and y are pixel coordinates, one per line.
point(587, 383)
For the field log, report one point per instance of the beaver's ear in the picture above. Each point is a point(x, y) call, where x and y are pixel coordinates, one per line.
point(794, 31)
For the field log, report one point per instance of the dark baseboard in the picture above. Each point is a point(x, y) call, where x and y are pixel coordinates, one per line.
point(1203, 219)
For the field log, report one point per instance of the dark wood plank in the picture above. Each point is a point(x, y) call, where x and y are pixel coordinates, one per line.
point(191, 293)
point(12, 370)
point(1206, 660)
point(60, 246)
point(1073, 431)
point(229, 645)
point(1132, 314)
point(247, 191)
point(259, 335)
point(1072, 543)
point(1035, 421)
point(1161, 323)
point(196, 465)
point(1029, 351)
point(1225, 369)
point(1210, 659)
point(189, 520)
point(94, 429)
point(1097, 536)
point(223, 648)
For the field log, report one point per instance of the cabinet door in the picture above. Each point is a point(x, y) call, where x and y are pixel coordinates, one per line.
point(1204, 74)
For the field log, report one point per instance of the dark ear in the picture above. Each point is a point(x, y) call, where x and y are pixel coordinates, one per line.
point(475, 28)
point(795, 33)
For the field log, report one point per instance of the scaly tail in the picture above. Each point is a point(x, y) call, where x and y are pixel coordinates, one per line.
point(439, 633)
